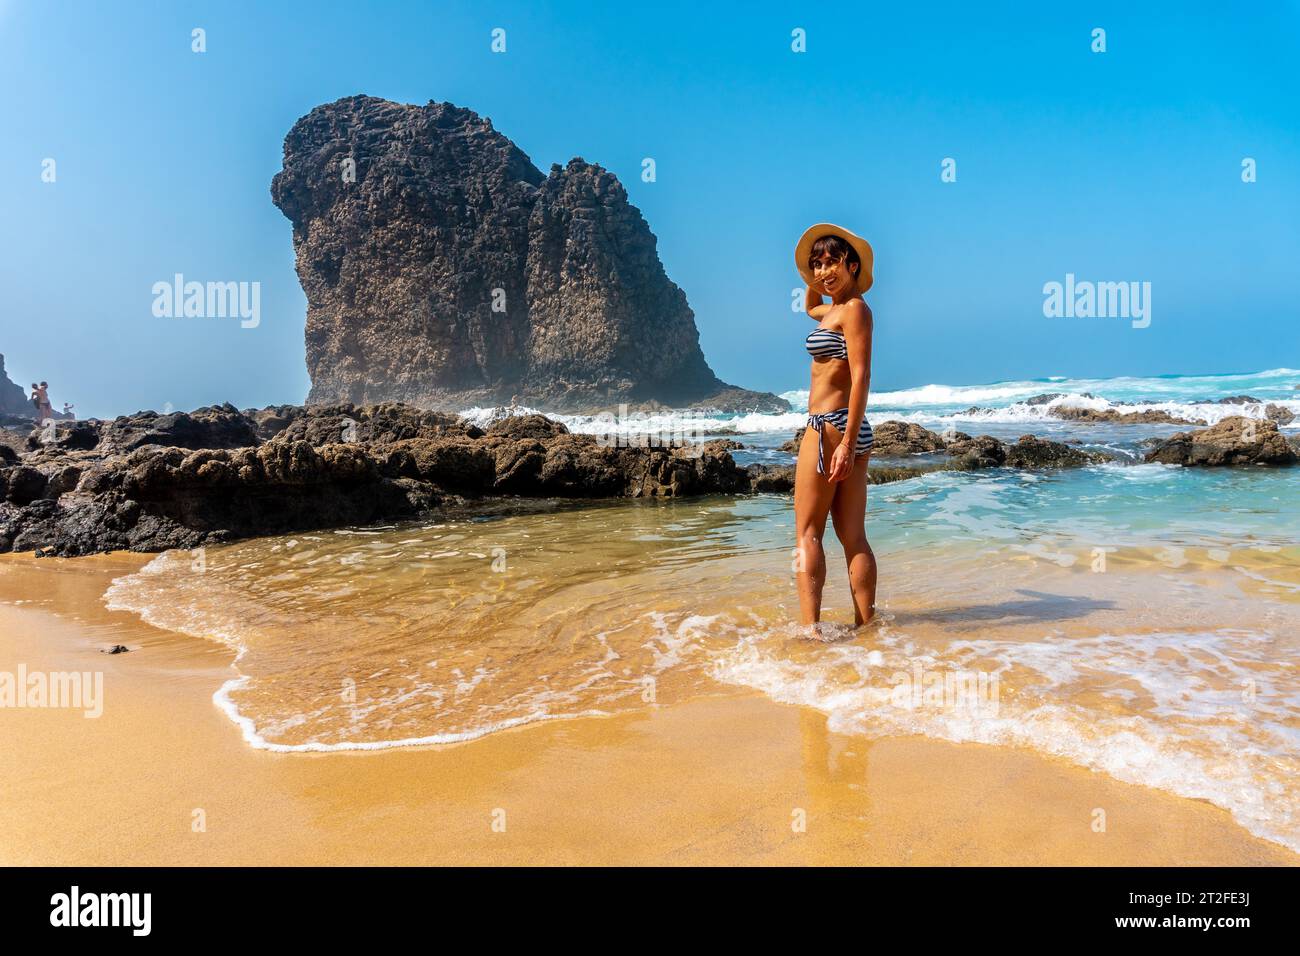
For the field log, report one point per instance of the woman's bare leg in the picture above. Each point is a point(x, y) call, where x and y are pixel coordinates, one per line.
point(812, 500)
point(849, 516)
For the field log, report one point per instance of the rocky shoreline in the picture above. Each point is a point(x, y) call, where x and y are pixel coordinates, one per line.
point(1116, 415)
point(150, 481)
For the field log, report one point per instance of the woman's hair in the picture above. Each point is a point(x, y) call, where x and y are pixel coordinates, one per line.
point(836, 248)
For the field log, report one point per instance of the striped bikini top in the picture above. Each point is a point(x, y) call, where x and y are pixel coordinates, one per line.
point(826, 343)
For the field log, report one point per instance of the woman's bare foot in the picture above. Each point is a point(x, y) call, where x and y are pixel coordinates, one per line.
point(813, 631)
point(876, 617)
point(827, 632)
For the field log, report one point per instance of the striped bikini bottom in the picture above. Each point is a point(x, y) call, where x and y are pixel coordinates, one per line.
point(840, 419)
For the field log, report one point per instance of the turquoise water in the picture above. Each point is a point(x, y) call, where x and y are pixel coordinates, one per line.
point(1141, 620)
point(1001, 410)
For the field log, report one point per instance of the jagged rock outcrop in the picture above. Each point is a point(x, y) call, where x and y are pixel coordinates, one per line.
point(443, 269)
point(1233, 441)
point(13, 397)
point(905, 438)
point(1094, 416)
point(148, 482)
point(1148, 416)
point(1030, 451)
point(970, 454)
point(1279, 414)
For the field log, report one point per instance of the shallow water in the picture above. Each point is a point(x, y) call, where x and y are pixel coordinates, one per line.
point(1001, 409)
point(1138, 620)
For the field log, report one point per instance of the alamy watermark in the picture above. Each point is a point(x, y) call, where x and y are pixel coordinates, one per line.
point(75, 690)
point(130, 910)
point(1104, 300)
point(208, 300)
point(953, 691)
point(662, 428)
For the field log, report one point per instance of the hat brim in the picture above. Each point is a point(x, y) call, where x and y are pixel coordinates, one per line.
point(803, 248)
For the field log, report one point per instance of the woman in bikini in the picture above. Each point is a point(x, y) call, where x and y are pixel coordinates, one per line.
point(831, 474)
point(44, 409)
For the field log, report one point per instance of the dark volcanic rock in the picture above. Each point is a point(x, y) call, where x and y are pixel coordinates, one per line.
point(778, 479)
point(13, 397)
point(1279, 414)
point(322, 466)
point(335, 465)
point(1233, 441)
point(270, 421)
point(1150, 416)
point(905, 438)
point(1091, 416)
point(60, 437)
point(537, 427)
point(380, 424)
point(216, 426)
point(16, 423)
point(450, 271)
point(23, 484)
point(1047, 397)
point(984, 451)
point(1033, 452)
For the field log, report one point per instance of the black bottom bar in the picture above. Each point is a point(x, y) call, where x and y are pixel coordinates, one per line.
point(1228, 906)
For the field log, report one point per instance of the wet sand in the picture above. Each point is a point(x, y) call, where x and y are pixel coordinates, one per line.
point(725, 778)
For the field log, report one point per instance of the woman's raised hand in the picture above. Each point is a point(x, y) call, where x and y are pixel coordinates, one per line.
point(813, 305)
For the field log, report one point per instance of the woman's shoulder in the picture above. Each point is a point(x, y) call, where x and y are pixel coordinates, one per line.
point(855, 310)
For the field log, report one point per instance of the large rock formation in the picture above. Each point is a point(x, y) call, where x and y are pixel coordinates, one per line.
point(443, 269)
point(1233, 441)
point(13, 397)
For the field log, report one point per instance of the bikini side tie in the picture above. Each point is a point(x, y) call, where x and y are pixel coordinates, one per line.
point(815, 421)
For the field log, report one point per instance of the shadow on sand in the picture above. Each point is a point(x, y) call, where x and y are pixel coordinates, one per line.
point(1036, 606)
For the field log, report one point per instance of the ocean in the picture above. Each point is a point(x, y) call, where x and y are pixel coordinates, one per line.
point(1137, 619)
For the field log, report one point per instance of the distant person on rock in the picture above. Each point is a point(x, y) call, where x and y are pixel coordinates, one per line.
point(44, 409)
point(67, 411)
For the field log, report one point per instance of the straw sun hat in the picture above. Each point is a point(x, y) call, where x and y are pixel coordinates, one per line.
point(804, 248)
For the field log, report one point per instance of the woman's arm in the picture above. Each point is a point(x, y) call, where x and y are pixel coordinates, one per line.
point(813, 305)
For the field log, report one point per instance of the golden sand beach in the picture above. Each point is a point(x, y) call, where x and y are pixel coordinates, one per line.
point(728, 777)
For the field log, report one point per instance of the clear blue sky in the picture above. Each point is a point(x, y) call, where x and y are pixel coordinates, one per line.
point(1117, 166)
